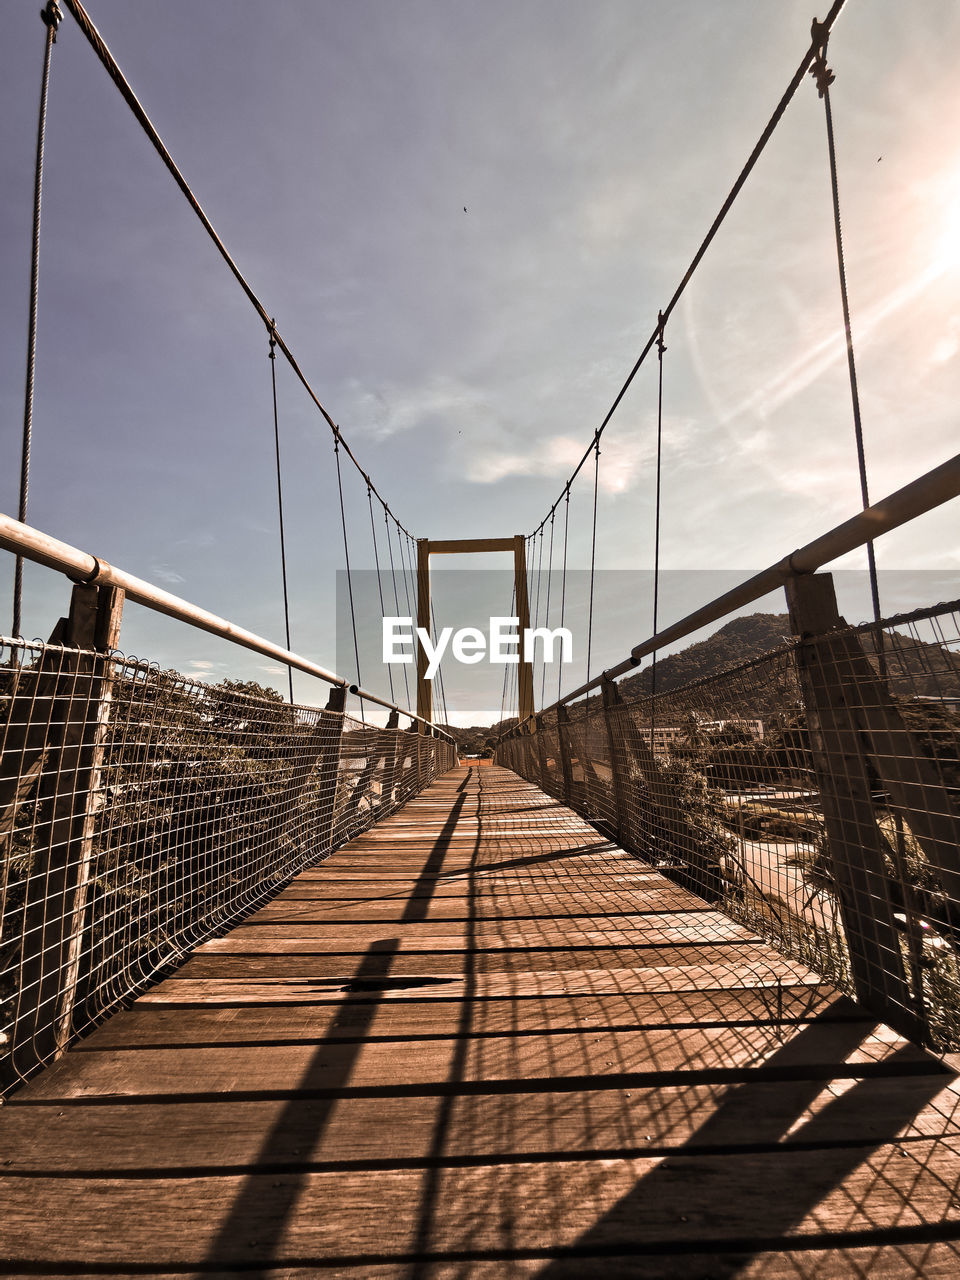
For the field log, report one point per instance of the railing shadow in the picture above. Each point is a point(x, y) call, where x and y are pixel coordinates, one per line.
point(676, 1209)
point(272, 1206)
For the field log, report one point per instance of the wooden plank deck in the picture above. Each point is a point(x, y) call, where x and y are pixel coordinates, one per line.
point(480, 1041)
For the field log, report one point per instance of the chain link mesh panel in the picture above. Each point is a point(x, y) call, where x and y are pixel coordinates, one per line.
point(813, 794)
point(141, 811)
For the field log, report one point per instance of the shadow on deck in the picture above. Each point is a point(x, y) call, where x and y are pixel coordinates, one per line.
point(481, 1041)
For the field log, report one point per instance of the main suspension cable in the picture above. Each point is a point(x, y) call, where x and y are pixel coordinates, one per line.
point(52, 17)
point(99, 46)
point(795, 82)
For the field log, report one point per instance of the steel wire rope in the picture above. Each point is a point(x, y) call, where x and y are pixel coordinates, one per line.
point(440, 689)
point(531, 544)
point(51, 17)
point(563, 581)
point(539, 559)
point(661, 348)
point(346, 557)
point(795, 82)
point(272, 357)
point(593, 549)
point(99, 46)
point(507, 665)
point(513, 689)
point(546, 621)
point(536, 621)
point(376, 561)
point(513, 668)
point(407, 576)
point(396, 595)
point(824, 78)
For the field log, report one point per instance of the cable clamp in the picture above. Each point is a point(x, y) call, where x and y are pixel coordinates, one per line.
point(88, 580)
point(52, 16)
point(661, 345)
point(792, 568)
point(821, 73)
point(272, 355)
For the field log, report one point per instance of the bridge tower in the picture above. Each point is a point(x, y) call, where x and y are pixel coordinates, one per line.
point(459, 546)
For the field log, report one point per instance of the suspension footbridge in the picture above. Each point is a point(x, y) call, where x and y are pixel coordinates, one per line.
point(668, 987)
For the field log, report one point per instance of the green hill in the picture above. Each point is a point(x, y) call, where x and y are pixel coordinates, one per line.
point(737, 641)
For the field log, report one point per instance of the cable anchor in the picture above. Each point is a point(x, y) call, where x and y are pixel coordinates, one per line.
point(824, 77)
point(52, 16)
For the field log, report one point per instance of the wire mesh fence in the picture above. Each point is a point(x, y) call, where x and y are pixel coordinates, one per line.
point(812, 794)
point(141, 811)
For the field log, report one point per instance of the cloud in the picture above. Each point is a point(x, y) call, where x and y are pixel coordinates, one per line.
point(169, 576)
point(621, 462)
point(390, 409)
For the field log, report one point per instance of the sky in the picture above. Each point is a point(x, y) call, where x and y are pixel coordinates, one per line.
point(465, 218)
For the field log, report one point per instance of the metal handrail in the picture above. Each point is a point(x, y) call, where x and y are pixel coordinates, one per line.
point(928, 491)
point(81, 566)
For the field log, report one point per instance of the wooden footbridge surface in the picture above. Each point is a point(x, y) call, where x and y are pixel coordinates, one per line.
point(481, 1041)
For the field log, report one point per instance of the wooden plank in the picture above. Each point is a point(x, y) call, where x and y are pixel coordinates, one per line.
point(485, 894)
point(647, 1204)
point(384, 909)
point(930, 1261)
point(599, 1123)
point(597, 1054)
point(521, 985)
point(156, 1026)
point(346, 937)
point(719, 956)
